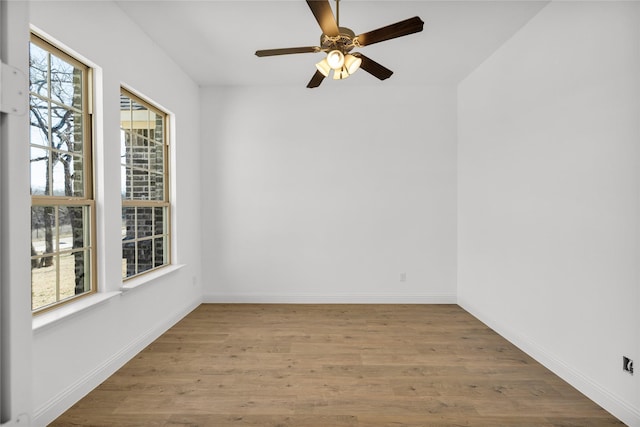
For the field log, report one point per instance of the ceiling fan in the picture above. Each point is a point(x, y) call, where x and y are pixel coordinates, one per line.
point(338, 42)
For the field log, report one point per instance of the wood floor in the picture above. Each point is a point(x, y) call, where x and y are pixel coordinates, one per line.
point(333, 366)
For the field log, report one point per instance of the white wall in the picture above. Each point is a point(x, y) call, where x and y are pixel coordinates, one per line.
point(15, 324)
point(549, 179)
point(74, 355)
point(330, 194)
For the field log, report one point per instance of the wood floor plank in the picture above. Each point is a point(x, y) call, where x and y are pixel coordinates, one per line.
point(333, 365)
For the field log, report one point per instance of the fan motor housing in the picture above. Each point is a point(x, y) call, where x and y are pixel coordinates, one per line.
point(342, 42)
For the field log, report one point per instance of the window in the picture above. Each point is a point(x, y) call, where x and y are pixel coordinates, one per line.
point(62, 205)
point(145, 192)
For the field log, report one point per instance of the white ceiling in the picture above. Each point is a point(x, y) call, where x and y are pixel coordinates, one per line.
point(214, 41)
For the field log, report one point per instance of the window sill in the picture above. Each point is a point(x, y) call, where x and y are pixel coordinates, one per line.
point(42, 321)
point(132, 284)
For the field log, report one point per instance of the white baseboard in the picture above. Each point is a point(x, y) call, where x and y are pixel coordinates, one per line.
point(58, 404)
point(617, 406)
point(256, 298)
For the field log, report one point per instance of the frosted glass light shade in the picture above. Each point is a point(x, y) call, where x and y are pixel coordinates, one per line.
point(352, 63)
point(335, 59)
point(340, 74)
point(323, 67)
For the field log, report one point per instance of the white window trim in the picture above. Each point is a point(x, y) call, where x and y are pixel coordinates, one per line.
point(152, 275)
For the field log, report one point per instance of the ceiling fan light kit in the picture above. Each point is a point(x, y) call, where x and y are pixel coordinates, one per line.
point(337, 42)
point(342, 67)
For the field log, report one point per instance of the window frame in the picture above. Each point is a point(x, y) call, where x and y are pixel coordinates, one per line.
point(166, 202)
point(88, 200)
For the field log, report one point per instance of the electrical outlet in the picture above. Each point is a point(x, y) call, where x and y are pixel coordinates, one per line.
point(403, 277)
point(627, 364)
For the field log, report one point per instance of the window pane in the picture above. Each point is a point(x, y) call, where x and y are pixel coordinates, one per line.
point(159, 221)
point(125, 112)
point(74, 227)
point(156, 158)
point(151, 123)
point(159, 129)
point(145, 255)
point(129, 258)
point(139, 184)
point(39, 121)
point(160, 251)
point(66, 83)
point(128, 223)
point(67, 175)
point(128, 242)
point(39, 171)
point(157, 187)
point(68, 275)
point(58, 176)
point(128, 184)
point(74, 274)
point(38, 70)
point(77, 178)
point(144, 221)
point(44, 283)
point(140, 153)
point(140, 116)
point(43, 231)
point(62, 129)
point(67, 130)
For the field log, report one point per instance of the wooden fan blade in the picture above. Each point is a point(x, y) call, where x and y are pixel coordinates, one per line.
point(399, 29)
point(321, 9)
point(373, 68)
point(315, 81)
point(287, 51)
